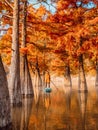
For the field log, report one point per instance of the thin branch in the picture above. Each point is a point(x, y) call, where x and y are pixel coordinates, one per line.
point(32, 43)
point(8, 16)
point(37, 3)
point(2, 29)
point(31, 67)
point(9, 4)
point(50, 5)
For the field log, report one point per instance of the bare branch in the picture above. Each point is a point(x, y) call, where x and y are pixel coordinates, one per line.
point(8, 4)
point(2, 29)
point(8, 16)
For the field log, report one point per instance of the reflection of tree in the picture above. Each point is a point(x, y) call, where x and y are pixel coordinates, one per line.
point(26, 111)
point(83, 103)
point(96, 91)
point(68, 104)
point(68, 99)
point(8, 127)
point(21, 115)
point(95, 109)
point(47, 102)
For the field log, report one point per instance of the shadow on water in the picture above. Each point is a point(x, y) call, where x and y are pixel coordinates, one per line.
point(83, 105)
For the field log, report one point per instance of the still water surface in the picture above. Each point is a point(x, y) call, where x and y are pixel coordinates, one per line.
point(68, 110)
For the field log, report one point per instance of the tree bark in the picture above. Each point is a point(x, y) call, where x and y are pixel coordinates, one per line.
point(14, 84)
point(68, 82)
point(26, 82)
point(82, 78)
point(96, 82)
point(5, 117)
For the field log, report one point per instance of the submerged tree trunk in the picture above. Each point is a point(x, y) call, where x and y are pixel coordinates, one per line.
point(68, 81)
point(28, 87)
point(43, 74)
point(26, 82)
point(82, 78)
point(96, 82)
point(36, 86)
point(38, 71)
point(5, 117)
point(14, 83)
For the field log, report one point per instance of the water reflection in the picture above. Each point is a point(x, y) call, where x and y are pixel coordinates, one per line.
point(47, 100)
point(21, 115)
point(83, 104)
point(59, 110)
point(68, 92)
point(96, 88)
point(68, 99)
point(47, 103)
point(9, 127)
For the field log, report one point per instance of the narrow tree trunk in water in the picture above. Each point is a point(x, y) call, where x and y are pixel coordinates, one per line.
point(96, 82)
point(28, 87)
point(14, 83)
point(38, 71)
point(43, 75)
point(36, 87)
point(37, 84)
point(82, 78)
point(26, 82)
point(5, 117)
point(68, 82)
point(22, 57)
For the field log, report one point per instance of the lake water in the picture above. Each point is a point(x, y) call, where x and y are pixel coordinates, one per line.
point(59, 110)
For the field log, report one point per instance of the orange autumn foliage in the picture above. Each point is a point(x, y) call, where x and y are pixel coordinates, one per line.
point(24, 50)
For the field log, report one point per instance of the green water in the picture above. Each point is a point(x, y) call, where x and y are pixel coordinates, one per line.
point(69, 110)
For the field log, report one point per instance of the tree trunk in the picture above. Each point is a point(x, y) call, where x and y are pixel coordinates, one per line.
point(37, 82)
point(26, 82)
point(96, 82)
point(82, 78)
point(38, 71)
point(68, 82)
point(43, 74)
point(14, 84)
point(36, 86)
point(28, 87)
point(5, 117)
